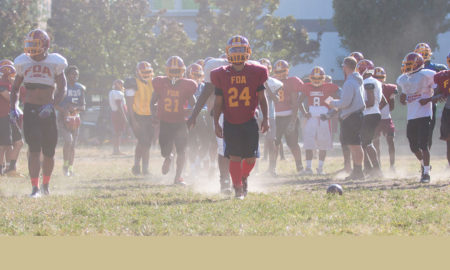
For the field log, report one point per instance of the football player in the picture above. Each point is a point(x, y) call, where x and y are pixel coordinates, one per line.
point(386, 125)
point(69, 117)
point(39, 70)
point(171, 94)
point(286, 112)
point(138, 95)
point(7, 73)
point(116, 98)
point(417, 84)
point(239, 90)
point(317, 132)
point(425, 50)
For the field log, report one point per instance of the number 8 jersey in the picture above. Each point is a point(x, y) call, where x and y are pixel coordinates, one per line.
point(239, 90)
point(317, 96)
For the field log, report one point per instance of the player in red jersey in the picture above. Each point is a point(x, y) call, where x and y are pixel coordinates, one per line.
point(239, 90)
point(7, 73)
point(171, 93)
point(286, 113)
point(317, 131)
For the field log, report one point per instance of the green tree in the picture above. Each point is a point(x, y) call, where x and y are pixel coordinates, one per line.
point(385, 31)
point(17, 18)
point(269, 36)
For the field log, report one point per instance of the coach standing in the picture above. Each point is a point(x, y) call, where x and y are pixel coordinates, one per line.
point(351, 106)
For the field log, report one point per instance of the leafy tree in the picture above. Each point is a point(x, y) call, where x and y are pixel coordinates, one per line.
point(385, 31)
point(270, 36)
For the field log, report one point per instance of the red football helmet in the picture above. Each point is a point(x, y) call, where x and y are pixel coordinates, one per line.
point(424, 50)
point(238, 50)
point(365, 67)
point(5, 62)
point(195, 72)
point(37, 42)
point(317, 76)
point(144, 70)
point(266, 62)
point(358, 56)
point(281, 70)
point(7, 72)
point(200, 62)
point(175, 68)
point(413, 62)
point(380, 74)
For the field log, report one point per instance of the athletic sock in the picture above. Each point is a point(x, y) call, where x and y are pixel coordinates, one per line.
point(12, 165)
point(70, 168)
point(45, 179)
point(247, 168)
point(66, 163)
point(321, 162)
point(308, 164)
point(35, 182)
point(236, 173)
point(426, 169)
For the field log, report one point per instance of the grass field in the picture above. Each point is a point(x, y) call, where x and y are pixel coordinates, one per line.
point(105, 199)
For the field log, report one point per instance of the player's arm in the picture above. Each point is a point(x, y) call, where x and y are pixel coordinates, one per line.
point(4, 94)
point(208, 89)
point(14, 95)
point(262, 98)
point(154, 103)
point(61, 84)
point(271, 94)
point(383, 102)
point(82, 106)
point(120, 106)
point(218, 108)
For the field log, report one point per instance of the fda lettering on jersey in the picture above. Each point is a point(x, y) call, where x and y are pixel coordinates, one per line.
point(38, 71)
point(238, 80)
point(173, 93)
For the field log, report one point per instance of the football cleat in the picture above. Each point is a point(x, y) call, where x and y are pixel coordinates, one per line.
point(37, 43)
point(239, 193)
point(320, 171)
point(238, 50)
point(166, 166)
point(245, 186)
point(13, 173)
point(179, 182)
point(354, 175)
point(425, 179)
point(308, 171)
point(45, 190)
point(225, 186)
point(35, 193)
point(136, 170)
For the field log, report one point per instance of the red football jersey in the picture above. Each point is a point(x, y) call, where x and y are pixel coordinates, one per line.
point(389, 91)
point(172, 98)
point(442, 79)
point(317, 96)
point(4, 104)
point(239, 90)
point(290, 85)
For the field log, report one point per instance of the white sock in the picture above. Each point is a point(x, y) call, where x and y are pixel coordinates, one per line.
point(321, 162)
point(308, 164)
point(426, 169)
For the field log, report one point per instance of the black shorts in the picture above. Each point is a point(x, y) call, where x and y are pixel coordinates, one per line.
point(40, 134)
point(281, 129)
point(369, 126)
point(445, 125)
point(5, 131)
point(170, 135)
point(241, 140)
point(351, 129)
point(418, 132)
point(16, 133)
point(145, 132)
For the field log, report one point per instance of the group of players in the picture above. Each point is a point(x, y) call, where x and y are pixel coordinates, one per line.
point(218, 105)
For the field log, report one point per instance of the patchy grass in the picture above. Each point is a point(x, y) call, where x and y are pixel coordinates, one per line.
point(105, 199)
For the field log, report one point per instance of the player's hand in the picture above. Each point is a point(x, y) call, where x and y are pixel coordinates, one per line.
point(191, 122)
point(265, 125)
point(424, 101)
point(155, 121)
point(46, 111)
point(403, 98)
point(308, 115)
point(219, 131)
point(14, 115)
point(324, 117)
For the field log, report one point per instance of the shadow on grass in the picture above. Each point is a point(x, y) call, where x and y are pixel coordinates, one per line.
point(176, 201)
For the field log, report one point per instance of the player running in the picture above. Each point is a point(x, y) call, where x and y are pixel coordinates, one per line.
point(239, 90)
point(138, 95)
point(386, 125)
point(172, 93)
point(286, 112)
point(39, 71)
point(116, 98)
point(417, 84)
point(69, 120)
point(7, 73)
point(317, 132)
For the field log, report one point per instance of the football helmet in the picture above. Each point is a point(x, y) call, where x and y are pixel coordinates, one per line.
point(266, 62)
point(380, 74)
point(358, 56)
point(37, 43)
point(5, 62)
point(194, 72)
point(238, 50)
point(317, 76)
point(144, 70)
point(118, 85)
point(424, 50)
point(281, 69)
point(7, 72)
point(200, 62)
point(365, 67)
point(413, 62)
point(328, 79)
point(175, 68)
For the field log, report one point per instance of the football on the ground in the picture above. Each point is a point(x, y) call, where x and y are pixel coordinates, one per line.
point(335, 189)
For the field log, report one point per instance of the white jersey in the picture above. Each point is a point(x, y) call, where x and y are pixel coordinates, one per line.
point(378, 93)
point(115, 95)
point(274, 85)
point(418, 86)
point(42, 72)
point(212, 65)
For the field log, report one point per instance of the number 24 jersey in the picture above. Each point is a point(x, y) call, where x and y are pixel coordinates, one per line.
point(239, 90)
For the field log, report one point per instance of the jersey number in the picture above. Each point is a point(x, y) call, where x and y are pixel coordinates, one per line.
point(171, 105)
point(233, 99)
point(316, 101)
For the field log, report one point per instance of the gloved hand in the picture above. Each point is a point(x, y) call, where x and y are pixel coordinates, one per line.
point(46, 111)
point(14, 115)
